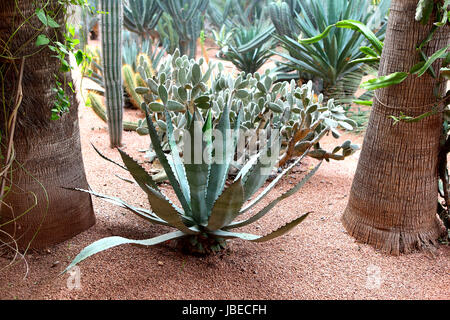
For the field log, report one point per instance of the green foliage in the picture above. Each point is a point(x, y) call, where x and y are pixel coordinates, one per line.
point(208, 208)
point(187, 21)
point(302, 117)
point(62, 50)
point(331, 60)
point(247, 45)
point(141, 16)
point(232, 13)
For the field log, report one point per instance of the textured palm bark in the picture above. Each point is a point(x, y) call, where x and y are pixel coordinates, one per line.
point(48, 153)
point(393, 200)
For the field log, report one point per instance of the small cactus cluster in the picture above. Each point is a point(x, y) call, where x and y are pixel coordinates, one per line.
point(303, 118)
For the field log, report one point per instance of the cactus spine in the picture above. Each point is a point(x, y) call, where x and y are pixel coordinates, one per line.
point(112, 22)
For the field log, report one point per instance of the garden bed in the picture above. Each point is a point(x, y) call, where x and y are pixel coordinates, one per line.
point(317, 260)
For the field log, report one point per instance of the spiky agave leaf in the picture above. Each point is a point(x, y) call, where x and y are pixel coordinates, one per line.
point(273, 183)
point(218, 171)
point(177, 163)
point(197, 170)
point(258, 174)
point(165, 210)
point(227, 206)
point(272, 204)
point(106, 158)
point(140, 212)
point(139, 174)
point(110, 242)
point(254, 238)
point(167, 168)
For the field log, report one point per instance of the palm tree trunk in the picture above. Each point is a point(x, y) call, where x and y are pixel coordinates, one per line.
point(48, 153)
point(393, 200)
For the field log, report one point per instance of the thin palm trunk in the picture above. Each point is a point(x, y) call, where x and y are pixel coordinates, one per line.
point(393, 200)
point(48, 153)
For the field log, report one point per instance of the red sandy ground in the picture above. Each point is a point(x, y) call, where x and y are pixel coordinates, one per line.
point(317, 260)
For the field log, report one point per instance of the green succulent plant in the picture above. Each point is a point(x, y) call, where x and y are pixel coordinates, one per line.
point(187, 21)
point(300, 115)
point(208, 209)
point(141, 16)
point(232, 13)
point(167, 33)
point(244, 32)
point(236, 46)
point(331, 60)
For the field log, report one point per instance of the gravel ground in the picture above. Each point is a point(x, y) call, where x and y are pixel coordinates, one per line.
point(317, 260)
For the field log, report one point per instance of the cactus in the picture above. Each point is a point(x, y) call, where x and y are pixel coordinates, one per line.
point(167, 33)
point(129, 81)
point(282, 16)
point(209, 209)
point(302, 117)
point(132, 54)
point(97, 106)
point(133, 47)
point(232, 13)
point(111, 25)
point(141, 16)
point(187, 21)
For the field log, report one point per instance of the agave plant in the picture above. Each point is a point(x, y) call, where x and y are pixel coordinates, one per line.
point(245, 32)
point(89, 22)
point(237, 45)
point(208, 209)
point(329, 61)
point(231, 13)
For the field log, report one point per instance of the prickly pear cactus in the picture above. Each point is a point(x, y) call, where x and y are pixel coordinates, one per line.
point(302, 117)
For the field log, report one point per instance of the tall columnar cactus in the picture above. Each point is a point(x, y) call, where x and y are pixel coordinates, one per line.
point(187, 20)
point(141, 16)
point(112, 22)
